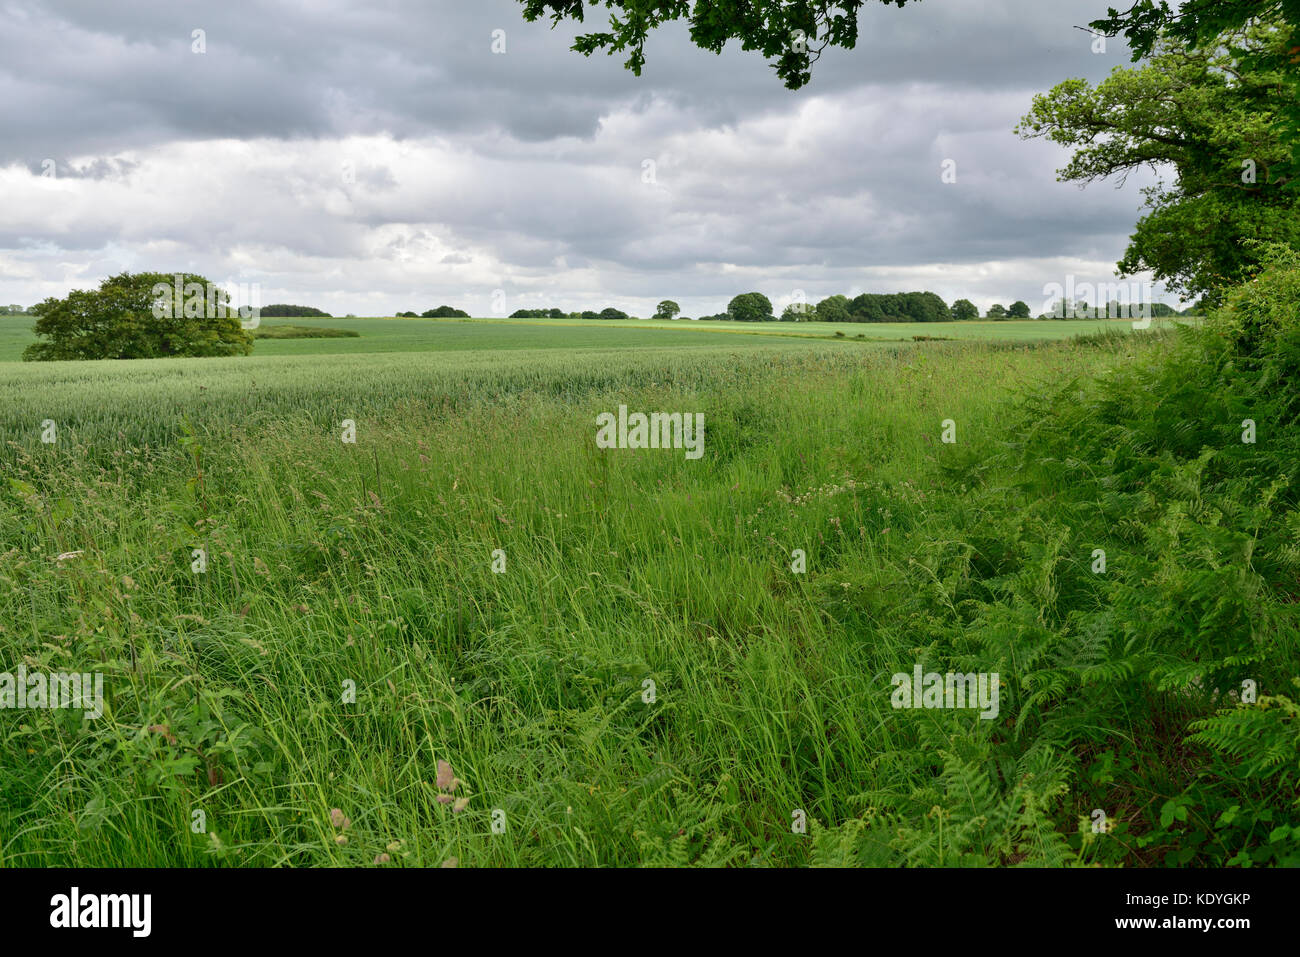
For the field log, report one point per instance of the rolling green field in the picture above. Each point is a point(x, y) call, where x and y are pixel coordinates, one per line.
point(1027, 330)
point(613, 650)
point(439, 335)
point(395, 359)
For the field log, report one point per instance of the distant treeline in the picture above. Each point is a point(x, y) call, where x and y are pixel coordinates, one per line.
point(919, 307)
point(561, 314)
point(1115, 310)
point(281, 311)
point(442, 312)
point(868, 307)
point(756, 307)
point(882, 307)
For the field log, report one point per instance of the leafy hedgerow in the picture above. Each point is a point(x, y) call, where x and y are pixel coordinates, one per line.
point(1142, 678)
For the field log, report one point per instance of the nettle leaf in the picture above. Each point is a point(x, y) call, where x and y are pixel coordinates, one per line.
point(94, 814)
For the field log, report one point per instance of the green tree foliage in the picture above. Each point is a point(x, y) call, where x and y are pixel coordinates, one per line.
point(526, 313)
point(667, 310)
point(797, 312)
point(750, 307)
point(1114, 309)
point(1018, 310)
point(407, 315)
point(792, 34)
point(612, 313)
point(899, 307)
point(997, 311)
point(1194, 22)
point(832, 309)
point(1201, 23)
point(448, 312)
point(963, 310)
point(1210, 118)
point(1079, 309)
point(281, 310)
point(129, 317)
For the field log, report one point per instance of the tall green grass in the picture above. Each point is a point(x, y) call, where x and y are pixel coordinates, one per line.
point(371, 563)
point(649, 681)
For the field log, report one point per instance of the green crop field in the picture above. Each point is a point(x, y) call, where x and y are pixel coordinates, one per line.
point(611, 648)
point(439, 335)
point(1015, 330)
point(393, 359)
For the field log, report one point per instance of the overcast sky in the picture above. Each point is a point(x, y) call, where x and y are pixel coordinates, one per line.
point(370, 156)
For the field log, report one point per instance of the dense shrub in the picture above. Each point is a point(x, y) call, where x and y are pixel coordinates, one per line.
point(140, 316)
point(1127, 686)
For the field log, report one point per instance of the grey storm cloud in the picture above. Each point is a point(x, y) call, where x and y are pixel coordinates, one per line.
point(336, 148)
point(84, 74)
